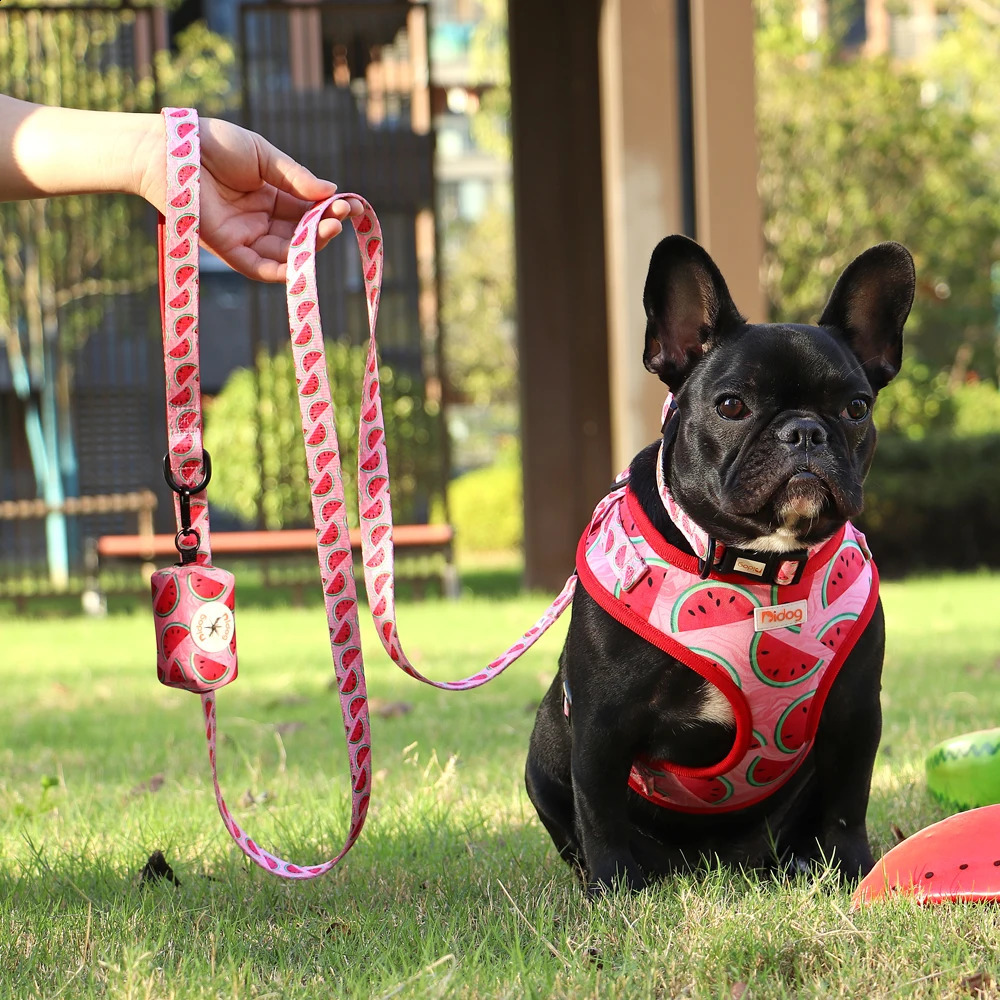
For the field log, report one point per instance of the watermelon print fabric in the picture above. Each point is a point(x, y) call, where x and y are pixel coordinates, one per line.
point(775, 681)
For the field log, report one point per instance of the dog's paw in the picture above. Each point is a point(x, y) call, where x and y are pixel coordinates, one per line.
point(800, 866)
point(617, 878)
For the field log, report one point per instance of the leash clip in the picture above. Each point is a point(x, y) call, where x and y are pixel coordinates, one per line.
point(187, 550)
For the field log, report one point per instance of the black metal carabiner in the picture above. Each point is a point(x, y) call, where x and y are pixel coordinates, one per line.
point(188, 553)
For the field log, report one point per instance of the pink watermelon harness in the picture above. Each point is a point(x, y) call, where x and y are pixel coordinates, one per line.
point(772, 649)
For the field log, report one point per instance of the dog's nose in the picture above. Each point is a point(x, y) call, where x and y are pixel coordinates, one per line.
point(803, 433)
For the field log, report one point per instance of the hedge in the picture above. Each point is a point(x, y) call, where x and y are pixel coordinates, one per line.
point(934, 504)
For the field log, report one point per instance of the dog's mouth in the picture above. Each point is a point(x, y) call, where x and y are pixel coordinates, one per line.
point(813, 494)
point(800, 505)
point(804, 491)
point(803, 510)
point(805, 496)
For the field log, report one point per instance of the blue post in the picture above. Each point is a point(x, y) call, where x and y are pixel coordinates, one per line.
point(57, 542)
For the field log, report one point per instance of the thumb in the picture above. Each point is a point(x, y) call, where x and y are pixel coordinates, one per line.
point(287, 175)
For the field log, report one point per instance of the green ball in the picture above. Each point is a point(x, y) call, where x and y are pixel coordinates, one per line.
point(964, 772)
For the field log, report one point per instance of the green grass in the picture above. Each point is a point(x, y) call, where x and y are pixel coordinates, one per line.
point(453, 890)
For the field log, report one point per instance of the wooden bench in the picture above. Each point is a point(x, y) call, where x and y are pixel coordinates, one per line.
point(24, 584)
point(262, 545)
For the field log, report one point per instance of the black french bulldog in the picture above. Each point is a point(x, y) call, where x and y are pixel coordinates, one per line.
point(767, 451)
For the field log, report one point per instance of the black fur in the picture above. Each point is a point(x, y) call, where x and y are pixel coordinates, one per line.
point(741, 479)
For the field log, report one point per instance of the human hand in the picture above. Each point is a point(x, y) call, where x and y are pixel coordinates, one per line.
point(252, 197)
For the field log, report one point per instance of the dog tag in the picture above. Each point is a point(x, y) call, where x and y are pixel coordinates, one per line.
point(194, 614)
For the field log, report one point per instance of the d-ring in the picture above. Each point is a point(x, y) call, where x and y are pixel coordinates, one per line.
point(189, 490)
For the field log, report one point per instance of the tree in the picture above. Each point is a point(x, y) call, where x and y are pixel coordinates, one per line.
point(490, 61)
point(478, 306)
point(857, 150)
point(259, 467)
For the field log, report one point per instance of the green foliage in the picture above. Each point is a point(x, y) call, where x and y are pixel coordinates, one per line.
point(976, 409)
point(856, 151)
point(934, 503)
point(490, 64)
point(201, 73)
point(962, 67)
point(478, 298)
point(485, 505)
point(919, 402)
point(916, 400)
point(477, 311)
point(253, 430)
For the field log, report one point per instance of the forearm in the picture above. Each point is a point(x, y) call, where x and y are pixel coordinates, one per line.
point(47, 151)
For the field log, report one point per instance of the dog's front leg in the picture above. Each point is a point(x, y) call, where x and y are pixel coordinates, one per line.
point(601, 762)
point(846, 744)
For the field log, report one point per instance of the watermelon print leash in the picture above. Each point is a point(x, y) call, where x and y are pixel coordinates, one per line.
point(194, 601)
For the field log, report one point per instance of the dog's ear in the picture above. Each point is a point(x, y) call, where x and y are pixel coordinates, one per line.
point(869, 305)
point(687, 303)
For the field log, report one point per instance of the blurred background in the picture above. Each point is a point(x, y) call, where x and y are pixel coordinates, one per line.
point(524, 159)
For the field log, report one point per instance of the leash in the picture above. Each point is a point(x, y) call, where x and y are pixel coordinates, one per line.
point(194, 602)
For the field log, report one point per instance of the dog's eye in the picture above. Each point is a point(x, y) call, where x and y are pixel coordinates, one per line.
point(732, 408)
point(856, 409)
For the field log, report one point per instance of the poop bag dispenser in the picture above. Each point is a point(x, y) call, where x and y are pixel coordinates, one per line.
point(194, 612)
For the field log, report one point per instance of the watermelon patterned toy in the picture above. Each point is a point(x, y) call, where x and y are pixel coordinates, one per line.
point(957, 859)
point(964, 772)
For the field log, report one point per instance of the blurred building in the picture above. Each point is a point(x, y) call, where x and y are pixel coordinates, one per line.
point(340, 86)
point(467, 177)
point(904, 29)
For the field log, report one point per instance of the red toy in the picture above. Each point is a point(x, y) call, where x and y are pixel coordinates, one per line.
point(956, 859)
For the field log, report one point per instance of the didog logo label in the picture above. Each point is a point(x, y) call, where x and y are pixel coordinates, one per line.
point(779, 616)
point(212, 627)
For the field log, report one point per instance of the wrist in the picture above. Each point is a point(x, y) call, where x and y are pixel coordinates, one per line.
point(108, 151)
point(146, 148)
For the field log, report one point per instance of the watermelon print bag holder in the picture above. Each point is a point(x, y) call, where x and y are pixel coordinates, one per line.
point(194, 605)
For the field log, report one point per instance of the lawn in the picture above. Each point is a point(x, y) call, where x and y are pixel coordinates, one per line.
point(453, 889)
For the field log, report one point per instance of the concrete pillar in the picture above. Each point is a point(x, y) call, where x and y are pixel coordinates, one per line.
point(729, 224)
point(640, 118)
